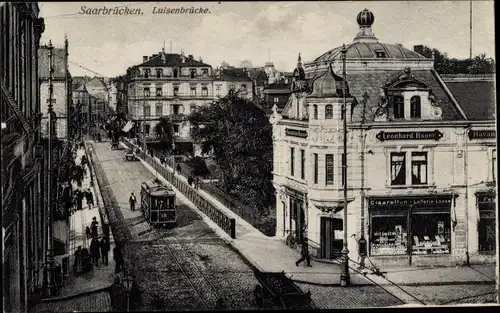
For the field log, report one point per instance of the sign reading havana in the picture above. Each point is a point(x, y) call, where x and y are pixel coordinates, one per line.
point(482, 134)
point(295, 133)
point(414, 135)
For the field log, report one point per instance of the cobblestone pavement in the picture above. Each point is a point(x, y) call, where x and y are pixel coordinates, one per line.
point(453, 294)
point(97, 302)
point(189, 267)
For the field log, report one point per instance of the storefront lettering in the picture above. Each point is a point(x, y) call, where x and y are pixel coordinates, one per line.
point(295, 133)
point(482, 134)
point(486, 198)
point(394, 202)
point(415, 135)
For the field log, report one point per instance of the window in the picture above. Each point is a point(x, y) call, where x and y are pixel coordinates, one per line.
point(158, 92)
point(205, 71)
point(176, 90)
point(243, 87)
point(193, 91)
point(217, 90)
point(329, 112)
point(193, 72)
point(276, 100)
point(315, 168)
point(204, 91)
point(147, 110)
point(419, 168)
point(415, 107)
point(146, 73)
point(398, 105)
point(329, 169)
point(486, 224)
point(302, 164)
point(176, 109)
point(292, 160)
point(398, 168)
point(146, 92)
point(176, 73)
point(176, 129)
point(315, 112)
point(494, 164)
point(380, 53)
point(159, 110)
point(159, 73)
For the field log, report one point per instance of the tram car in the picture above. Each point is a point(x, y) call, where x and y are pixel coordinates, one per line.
point(158, 204)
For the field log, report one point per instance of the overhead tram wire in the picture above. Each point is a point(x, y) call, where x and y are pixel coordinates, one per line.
point(83, 67)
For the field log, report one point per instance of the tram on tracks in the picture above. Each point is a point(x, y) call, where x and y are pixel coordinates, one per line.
point(158, 204)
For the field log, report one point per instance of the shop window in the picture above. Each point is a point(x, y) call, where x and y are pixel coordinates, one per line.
point(159, 92)
point(193, 91)
point(329, 169)
point(486, 224)
point(329, 112)
point(315, 112)
point(292, 160)
point(315, 168)
point(146, 92)
point(159, 110)
point(398, 168)
point(302, 164)
point(204, 91)
point(147, 110)
point(415, 107)
point(431, 233)
point(388, 235)
point(419, 168)
point(398, 106)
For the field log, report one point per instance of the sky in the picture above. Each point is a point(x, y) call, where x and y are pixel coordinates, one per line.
point(257, 31)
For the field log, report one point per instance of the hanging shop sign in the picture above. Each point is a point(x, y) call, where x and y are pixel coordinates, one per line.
point(295, 133)
point(482, 134)
point(414, 135)
point(421, 201)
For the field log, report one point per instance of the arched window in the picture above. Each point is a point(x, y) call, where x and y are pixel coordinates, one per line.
point(315, 113)
point(415, 111)
point(329, 112)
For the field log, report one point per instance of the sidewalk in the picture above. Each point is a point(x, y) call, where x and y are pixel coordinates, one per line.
point(99, 278)
point(272, 255)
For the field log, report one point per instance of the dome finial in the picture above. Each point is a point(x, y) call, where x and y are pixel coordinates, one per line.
point(365, 21)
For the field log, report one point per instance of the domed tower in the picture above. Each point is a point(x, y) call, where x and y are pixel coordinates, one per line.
point(299, 82)
point(365, 21)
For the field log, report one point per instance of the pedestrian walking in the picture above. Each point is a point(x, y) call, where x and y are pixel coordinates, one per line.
point(94, 251)
point(93, 227)
point(190, 180)
point(87, 232)
point(104, 245)
point(79, 199)
point(78, 263)
point(132, 200)
point(117, 295)
point(118, 257)
point(305, 253)
point(362, 251)
point(90, 198)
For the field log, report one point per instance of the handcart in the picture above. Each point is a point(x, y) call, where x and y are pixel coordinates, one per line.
point(279, 292)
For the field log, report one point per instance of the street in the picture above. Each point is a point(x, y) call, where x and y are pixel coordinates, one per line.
point(189, 267)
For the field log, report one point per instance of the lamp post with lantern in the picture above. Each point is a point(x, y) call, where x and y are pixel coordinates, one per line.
point(128, 282)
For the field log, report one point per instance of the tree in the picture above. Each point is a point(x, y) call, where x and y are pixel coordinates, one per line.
point(480, 64)
point(239, 136)
point(164, 130)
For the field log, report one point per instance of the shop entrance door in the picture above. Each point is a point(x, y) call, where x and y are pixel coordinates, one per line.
point(331, 246)
point(300, 219)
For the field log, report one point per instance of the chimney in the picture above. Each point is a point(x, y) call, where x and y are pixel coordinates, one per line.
point(419, 49)
point(201, 60)
point(144, 58)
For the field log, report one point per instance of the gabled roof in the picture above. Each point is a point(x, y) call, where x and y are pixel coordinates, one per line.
point(58, 62)
point(171, 59)
point(234, 75)
point(475, 93)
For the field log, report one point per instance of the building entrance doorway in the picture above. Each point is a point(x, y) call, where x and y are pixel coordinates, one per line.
point(331, 237)
point(297, 218)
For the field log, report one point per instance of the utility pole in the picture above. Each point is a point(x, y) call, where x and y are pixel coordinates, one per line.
point(344, 276)
point(470, 30)
point(50, 269)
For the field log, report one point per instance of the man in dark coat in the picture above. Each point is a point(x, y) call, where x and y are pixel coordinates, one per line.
point(104, 245)
point(132, 200)
point(90, 198)
point(94, 251)
point(93, 227)
point(305, 253)
point(118, 257)
point(79, 199)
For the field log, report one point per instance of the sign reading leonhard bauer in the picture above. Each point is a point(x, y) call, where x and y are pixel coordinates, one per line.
point(414, 135)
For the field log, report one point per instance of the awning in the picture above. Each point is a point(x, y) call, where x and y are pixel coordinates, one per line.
point(128, 126)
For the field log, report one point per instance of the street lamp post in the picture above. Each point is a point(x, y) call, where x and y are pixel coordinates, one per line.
point(50, 269)
point(128, 282)
point(344, 276)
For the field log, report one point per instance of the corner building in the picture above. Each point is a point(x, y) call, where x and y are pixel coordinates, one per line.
point(420, 170)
